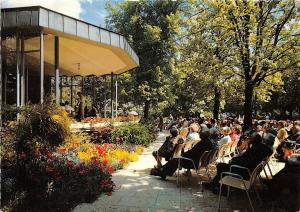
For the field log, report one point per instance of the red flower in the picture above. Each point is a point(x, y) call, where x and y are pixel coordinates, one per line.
point(49, 169)
point(70, 164)
point(109, 169)
point(57, 178)
point(104, 162)
point(82, 172)
point(49, 155)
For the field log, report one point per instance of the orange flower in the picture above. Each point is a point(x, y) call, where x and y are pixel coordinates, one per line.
point(62, 150)
point(100, 150)
point(105, 162)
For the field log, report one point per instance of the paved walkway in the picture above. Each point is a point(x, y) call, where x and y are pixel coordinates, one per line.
point(139, 191)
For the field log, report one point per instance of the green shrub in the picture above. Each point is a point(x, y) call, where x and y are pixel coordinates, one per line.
point(134, 133)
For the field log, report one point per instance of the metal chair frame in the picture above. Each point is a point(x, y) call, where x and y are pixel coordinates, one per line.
point(206, 158)
point(237, 177)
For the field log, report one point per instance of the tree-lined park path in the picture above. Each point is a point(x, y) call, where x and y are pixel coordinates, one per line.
point(139, 191)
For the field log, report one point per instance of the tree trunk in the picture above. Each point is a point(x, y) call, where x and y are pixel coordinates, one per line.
point(146, 110)
point(217, 103)
point(248, 104)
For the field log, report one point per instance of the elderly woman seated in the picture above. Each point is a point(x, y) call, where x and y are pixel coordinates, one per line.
point(193, 134)
point(225, 131)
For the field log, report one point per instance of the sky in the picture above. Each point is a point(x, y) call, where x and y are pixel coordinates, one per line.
point(92, 11)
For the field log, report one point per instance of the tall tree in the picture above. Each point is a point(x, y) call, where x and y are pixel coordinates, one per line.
point(265, 37)
point(151, 28)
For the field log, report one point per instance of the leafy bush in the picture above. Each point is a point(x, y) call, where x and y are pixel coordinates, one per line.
point(134, 133)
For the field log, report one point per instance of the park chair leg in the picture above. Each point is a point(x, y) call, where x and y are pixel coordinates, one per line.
point(258, 196)
point(270, 169)
point(228, 190)
point(219, 204)
point(249, 200)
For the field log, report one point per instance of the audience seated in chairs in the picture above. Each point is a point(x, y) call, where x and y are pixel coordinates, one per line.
point(261, 147)
point(285, 147)
point(195, 153)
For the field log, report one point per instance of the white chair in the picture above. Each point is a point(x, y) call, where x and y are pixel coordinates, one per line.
point(237, 181)
point(204, 161)
point(222, 152)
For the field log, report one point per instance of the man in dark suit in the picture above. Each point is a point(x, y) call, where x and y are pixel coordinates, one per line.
point(195, 153)
point(261, 147)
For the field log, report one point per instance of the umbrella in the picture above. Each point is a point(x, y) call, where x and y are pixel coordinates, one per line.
point(133, 113)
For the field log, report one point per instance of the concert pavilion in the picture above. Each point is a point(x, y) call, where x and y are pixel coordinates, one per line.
point(40, 47)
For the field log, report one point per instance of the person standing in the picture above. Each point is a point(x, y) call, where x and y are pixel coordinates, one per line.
point(161, 122)
point(69, 108)
point(80, 107)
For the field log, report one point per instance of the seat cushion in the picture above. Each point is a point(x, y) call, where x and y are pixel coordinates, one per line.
point(235, 182)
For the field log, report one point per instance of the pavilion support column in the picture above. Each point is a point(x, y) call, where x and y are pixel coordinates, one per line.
point(94, 84)
point(112, 94)
point(71, 91)
point(18, 68)
point(116, 96)
point(42, 65)
point(105, 94)
point(1, 71)
point(4, 88)
point(61, 89)
point(56, 67)
point(22, 72)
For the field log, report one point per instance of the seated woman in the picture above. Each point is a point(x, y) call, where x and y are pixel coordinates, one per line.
point(193, 134)
point(225, 131)
point(236, 134)
point(167, 148)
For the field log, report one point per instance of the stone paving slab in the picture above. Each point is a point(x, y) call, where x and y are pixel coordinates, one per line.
point(139, 191)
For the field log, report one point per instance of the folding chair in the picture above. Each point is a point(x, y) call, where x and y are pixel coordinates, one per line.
point(203, 163)
point(237, 181)
point(222, 152)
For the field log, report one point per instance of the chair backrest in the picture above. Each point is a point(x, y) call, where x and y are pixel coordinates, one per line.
point(222, 150)
point(190, 144)
point(256, 172)
point(178, 150)
point(233, 146)
point(204, 159)
point(183, 133)
point(213, 155)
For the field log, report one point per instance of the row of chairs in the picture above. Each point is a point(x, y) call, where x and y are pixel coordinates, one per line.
point(227, 178)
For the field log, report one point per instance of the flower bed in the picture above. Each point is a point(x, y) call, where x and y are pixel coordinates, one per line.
point(94, 120)
point(46, 167)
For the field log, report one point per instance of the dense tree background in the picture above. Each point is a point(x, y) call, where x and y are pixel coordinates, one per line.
point(236, 56)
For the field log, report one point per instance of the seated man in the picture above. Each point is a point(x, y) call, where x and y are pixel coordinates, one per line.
point(195, 153)
point(167, 148)
point(261, 147)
